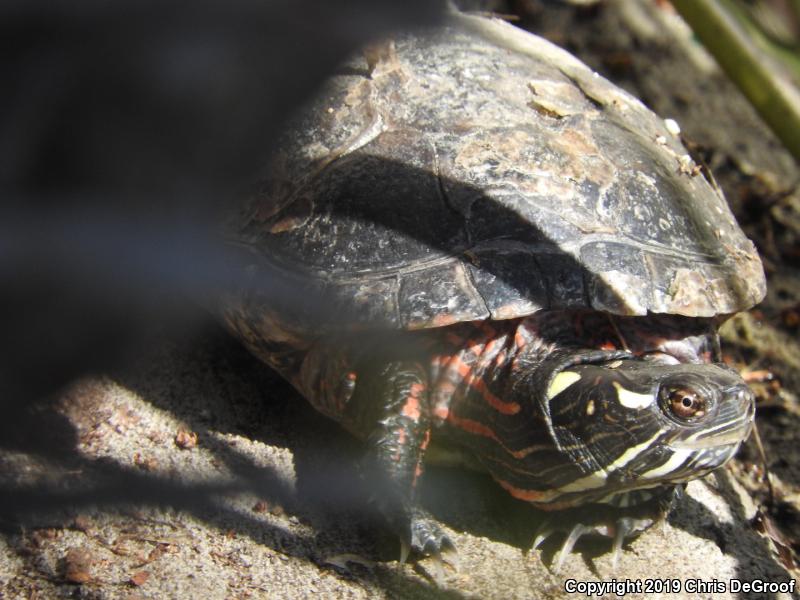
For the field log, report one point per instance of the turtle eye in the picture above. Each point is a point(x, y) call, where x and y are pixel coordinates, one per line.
point(684, 403)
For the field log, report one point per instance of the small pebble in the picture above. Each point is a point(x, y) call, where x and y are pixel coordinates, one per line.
point(77, 565)
point(186, 440)
point(672, 126)
point(139, 578)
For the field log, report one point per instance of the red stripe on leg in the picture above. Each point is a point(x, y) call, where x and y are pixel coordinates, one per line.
point(411, 408)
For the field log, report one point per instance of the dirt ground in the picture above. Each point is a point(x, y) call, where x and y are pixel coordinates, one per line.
point(262, 494)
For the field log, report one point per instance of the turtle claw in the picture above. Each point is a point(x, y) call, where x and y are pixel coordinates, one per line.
point(545, 531)
point(622, 530)
point(449, 555)
point(405, 549)
point(436, 562)
point(569, 543)
point(428, 539)
point(437, 570)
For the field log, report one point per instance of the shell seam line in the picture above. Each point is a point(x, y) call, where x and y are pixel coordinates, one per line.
point(468, 238)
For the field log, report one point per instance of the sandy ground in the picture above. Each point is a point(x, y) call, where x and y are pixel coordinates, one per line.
point(195, 472)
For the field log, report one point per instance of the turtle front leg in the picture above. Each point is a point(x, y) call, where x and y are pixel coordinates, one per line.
point(393, 463)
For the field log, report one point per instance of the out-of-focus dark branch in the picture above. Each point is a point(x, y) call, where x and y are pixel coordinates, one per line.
point(122, 125)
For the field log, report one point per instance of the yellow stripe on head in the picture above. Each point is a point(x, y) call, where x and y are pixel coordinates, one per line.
point(560, 382)
point(631, 399)
point(676, 460)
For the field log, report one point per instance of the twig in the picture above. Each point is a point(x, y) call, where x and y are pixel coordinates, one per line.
point(773, 96)
point(763, 456)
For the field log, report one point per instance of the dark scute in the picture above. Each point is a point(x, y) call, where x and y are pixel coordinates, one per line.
point(565, 280)
point(441, 295)
point(510, 220)
point(501, 278)
point(514, 286)
point(370, 303)
point(648, 201)
point(625, 265)
point(367, 214)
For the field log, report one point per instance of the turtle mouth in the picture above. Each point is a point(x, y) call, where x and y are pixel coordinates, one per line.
point(733, 435)
point(733, 438)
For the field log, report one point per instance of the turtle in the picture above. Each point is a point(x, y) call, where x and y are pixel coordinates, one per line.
point(492, 249)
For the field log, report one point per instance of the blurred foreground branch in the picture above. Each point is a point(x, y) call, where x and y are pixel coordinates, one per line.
point(122, 125)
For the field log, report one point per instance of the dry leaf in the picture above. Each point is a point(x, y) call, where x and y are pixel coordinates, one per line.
point(139, 578)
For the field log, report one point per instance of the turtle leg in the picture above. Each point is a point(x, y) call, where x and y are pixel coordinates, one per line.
point(393, 463)
point(626, 516)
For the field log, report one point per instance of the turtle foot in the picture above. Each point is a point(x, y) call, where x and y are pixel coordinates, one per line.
point(620, 530)
point(618, 523)
point(426, 538)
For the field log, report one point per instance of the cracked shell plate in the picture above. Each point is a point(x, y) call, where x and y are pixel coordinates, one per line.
point(485, 173)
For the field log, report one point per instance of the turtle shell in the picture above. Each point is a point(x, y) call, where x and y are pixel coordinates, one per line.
point(483, 173)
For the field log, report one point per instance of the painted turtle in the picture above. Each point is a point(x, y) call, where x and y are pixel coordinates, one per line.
point(518, 258)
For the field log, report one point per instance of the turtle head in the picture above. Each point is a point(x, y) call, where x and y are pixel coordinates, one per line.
point(630, 424)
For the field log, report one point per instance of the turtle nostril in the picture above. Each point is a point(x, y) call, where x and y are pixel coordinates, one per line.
point(745, 396)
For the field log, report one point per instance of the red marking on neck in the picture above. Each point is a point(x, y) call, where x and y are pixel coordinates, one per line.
point(536, 497)
point(519, 339)
point(506, 408)
point(472, 426)
point(425, 440)
point(527, 495)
